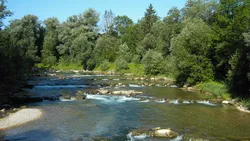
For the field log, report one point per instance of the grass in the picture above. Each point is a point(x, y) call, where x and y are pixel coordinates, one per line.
point(246, 102)
point(60, 66)
point(219, 90)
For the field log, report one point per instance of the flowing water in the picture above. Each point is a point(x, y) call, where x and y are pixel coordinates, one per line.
point(107, 117)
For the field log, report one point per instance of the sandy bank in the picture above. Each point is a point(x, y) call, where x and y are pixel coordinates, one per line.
point(20, 117)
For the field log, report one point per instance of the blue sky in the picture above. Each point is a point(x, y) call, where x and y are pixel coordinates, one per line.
point(62, 9)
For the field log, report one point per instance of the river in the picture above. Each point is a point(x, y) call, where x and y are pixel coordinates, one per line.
point(107, 117)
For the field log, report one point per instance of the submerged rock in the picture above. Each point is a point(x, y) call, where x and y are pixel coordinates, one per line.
point(72, 98)
point(155, 132)
point(243, 109)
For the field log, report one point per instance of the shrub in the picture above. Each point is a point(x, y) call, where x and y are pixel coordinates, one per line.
point(152, 61)
point(219, 90)
point(121, 64)
point(104, 65)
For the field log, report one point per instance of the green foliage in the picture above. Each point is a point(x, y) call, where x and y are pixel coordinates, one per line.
point(108, 22)
point(169, 68)
point(124, 53)
point(190, 50)
point(122, 23)
point(219, 90)
point(150, 17)
point(105, 49)
point(77, 37)
point(121, 64)
point(246, 103)
point(26, 34)
point(152, 61)
point(3, 12)
point(137, 69)
point(104, 66)
point(49, 52)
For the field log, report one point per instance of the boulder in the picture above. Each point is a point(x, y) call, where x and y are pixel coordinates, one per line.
point(126, 92)
point(225, 102)
point(103, 91)
point(80, 97)
point(156, 132)
point(164, 133)
point(190, 88)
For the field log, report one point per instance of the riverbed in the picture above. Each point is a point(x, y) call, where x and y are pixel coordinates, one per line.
point(109, 117)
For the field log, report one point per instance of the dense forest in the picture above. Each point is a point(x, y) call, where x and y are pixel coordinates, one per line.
point(207, 40)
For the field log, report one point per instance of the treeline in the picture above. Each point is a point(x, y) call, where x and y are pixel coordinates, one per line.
point(206, 40)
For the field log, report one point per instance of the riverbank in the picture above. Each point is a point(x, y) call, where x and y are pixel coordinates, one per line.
point(20, 117)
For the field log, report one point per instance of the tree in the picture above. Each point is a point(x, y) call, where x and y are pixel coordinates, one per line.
point(122, 23)
point(202, 9)
point(247, 40)
point(190, 50)
point(108, 22)
point(26, 34)
point(49, 52)
point(174, 16)
point(150, 17)
point(3, 12)
point(133, 36)
point(105, 49)
point(153, 63)
point(77, 39)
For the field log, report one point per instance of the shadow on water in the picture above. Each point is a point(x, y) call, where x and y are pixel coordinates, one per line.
point(28, 136)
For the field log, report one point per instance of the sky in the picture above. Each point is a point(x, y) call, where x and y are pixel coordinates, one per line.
point(62, 9)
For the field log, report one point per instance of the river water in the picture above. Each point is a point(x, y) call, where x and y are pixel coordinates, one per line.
point(107, 117)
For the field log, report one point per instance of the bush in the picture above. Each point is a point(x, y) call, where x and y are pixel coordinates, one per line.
point(137, 69)
point(219, 90)
point(104, 65)
point(91, 64)
point(121, 64)
point(153, 63)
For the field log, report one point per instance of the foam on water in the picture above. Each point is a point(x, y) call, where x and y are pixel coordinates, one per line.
point(160, 101)
point(206, 102)
point(173, 86)
point(145, 101)
point(134, 138)
point(65, 100)
point(174, 101)
point(60, 86)
point(178, 138)
point(187, 102)
point(135, 86)
point(112, 99)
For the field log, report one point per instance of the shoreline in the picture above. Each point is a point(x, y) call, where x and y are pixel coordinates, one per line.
point(20, 117)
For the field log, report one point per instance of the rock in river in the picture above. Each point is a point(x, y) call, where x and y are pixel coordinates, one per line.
point(156, 132)
point(164, 133)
